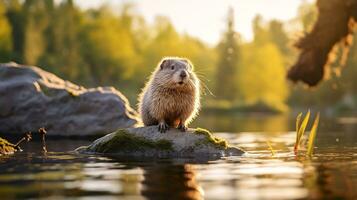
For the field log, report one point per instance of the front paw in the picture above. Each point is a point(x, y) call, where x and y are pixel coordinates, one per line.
point(182, 127)
point(163, 127)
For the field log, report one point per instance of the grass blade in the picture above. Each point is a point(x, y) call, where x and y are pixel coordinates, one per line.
point(312, 136)
point(301, 130)
point(271, 148)
point(298, 122)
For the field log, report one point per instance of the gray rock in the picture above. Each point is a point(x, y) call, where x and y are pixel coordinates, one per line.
point(149, 142)
point(31, 98)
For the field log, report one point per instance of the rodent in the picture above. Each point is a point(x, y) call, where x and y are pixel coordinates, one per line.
point(171, 97)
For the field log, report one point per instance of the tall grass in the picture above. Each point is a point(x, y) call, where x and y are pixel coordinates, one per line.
point(312, 136)
point(300, 130)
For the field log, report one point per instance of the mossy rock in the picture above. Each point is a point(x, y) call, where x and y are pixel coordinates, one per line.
point(149, 142)
point(6, 147)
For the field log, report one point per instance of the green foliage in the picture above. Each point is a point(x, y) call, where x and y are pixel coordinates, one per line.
point(17, 20)
point(5, 35)
point(62, 51)
point(253, 74)
point(107, 47)
point(37, 19)
point(307, 15)
point(95, 47)
point(264, 73)
point(218, 142)
point(103, 47)
point(228, 64)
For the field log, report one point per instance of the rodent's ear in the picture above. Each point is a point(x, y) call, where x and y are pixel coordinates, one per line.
point(162, 64)
point(188, 62)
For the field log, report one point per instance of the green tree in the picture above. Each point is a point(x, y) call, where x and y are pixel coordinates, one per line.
point(62, 53)
point(307, 15)
point(279, 37)
point(5, 35)
point(261, 33)
point(262, 80)
point(229, 55)
point(165, 41)
point(37, 20)
point(107, 46)
point(17, 20)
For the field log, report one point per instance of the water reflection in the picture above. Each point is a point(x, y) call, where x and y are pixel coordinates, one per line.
point(171, 182)
point(267, 123)
point(330, 174)
point(243, 123)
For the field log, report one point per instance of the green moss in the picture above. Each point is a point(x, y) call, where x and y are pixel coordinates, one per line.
point(123, 141)
point(46, 91)
point(218, 142)
point(6, 147)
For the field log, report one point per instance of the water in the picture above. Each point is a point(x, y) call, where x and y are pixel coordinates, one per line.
point(61, 174)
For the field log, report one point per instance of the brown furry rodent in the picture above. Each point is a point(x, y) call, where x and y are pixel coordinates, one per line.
point(171, 96)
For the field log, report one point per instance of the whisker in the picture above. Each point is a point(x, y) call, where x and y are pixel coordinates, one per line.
point(206, 88)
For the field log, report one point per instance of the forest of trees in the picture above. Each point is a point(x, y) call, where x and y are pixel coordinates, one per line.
point(118, 47)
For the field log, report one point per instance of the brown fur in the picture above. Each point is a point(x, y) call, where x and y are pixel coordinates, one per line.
point(167, 103)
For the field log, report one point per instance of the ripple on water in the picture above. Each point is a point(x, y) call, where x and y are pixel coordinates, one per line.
point(258, 174)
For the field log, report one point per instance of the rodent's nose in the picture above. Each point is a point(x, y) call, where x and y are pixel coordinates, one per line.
point(183, 74)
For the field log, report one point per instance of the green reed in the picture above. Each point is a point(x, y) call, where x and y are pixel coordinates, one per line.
point(300, 130)
point(312, 136)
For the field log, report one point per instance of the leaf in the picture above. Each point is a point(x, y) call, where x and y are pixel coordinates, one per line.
point(312, 136)
point(301, 130)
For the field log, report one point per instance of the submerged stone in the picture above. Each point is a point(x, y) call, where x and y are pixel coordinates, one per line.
point(149, 142)
point(6, 147)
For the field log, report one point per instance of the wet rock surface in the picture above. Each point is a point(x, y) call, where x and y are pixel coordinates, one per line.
point(31, 98)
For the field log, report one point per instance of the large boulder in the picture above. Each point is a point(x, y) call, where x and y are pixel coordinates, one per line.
point(149, 142)
point(31, 98)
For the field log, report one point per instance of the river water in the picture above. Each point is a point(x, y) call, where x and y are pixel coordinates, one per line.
point(62, 174)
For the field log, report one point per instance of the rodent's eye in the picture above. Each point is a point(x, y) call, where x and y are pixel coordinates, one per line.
point(172, 67)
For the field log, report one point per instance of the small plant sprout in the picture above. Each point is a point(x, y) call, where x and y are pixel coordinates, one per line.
point(271, 148)
point(300, 129)
point(312, 136)
point(42, 132)
point(27, 137)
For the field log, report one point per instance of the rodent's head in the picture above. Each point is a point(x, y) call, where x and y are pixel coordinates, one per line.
point(175, 73)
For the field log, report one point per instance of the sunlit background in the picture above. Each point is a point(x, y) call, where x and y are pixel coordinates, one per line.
point(241, 50)
point(205, 19)
point(245, 46)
